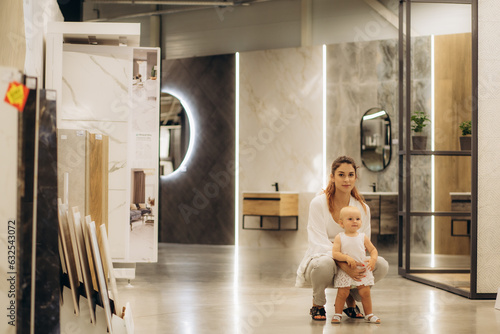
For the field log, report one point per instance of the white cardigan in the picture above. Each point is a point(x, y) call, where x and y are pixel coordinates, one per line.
point(322, 229)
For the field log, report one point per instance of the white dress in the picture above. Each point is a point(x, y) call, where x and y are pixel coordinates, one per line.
point(355, 248)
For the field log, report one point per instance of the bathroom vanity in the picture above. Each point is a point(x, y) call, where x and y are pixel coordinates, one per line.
point(384, 212)
point(270, 204)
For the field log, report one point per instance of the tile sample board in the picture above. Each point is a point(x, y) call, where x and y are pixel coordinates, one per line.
point(27, 145)
point(47, 266)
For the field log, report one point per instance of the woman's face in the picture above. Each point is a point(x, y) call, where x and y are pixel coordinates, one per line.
point(344, 178)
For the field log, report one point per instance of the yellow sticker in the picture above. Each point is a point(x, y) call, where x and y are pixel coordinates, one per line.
point(16, 95)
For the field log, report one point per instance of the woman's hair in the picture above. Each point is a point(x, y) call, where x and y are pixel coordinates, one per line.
point(330, 189)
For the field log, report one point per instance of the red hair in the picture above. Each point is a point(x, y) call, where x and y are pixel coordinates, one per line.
point(330, 189)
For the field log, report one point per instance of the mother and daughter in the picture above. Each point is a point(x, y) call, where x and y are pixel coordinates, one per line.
point(338, 233)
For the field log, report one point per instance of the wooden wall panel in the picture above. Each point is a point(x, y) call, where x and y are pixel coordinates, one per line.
point(453, 101)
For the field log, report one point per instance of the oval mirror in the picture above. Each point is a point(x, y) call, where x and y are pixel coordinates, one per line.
point(376, 138)
point(174, 133)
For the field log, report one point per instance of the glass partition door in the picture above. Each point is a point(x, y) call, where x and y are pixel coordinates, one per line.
point(436, 175)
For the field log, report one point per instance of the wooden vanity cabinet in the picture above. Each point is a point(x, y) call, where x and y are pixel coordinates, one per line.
point(384, 213)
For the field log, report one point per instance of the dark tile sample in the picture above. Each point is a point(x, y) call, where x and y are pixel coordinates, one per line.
point(197, 206)
point(47, 293)
point(26, 163)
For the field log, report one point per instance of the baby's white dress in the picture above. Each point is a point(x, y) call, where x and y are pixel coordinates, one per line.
point(355, 248)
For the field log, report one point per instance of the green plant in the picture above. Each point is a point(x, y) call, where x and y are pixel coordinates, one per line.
point(466, 127)
point(418, 121)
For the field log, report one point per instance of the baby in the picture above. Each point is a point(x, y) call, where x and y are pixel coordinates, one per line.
point(349, 246)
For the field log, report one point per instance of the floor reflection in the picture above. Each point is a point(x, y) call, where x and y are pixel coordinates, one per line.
point(205, 289)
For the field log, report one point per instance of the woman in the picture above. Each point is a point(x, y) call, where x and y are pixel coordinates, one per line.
point(317, 268)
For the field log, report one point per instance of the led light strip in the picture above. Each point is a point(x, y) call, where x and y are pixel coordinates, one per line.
point(433, 166)
point(324, 118)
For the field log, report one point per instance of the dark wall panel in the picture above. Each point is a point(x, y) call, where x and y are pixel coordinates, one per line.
point(197, 205)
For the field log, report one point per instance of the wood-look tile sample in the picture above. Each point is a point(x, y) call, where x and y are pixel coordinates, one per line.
point(84, 262)
point(71, 157)
point(97, 185)
point(69, 255)
point(101, 277)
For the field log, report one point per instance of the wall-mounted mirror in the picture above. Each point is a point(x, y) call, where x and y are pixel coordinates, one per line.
point(174, 133)
point(376, 148)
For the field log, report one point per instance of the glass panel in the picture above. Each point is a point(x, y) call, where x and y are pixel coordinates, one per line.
point(452, 183)
point(433, 246)
point(420, 242)
point(421, 183)
point(441, 74)
point(452, 177)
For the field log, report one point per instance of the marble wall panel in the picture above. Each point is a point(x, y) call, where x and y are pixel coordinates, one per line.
point(118, 222)
point(96, 84)
point(96, 98)
point(281, 132)
point(362, 75)
point(488, 264)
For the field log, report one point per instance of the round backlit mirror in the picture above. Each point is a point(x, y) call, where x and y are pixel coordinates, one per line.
point(174, 133)
point(376, 138)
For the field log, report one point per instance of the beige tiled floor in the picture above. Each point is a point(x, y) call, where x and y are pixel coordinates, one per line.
point(196, 289)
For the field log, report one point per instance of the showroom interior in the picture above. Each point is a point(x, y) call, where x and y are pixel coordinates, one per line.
point(160, 162)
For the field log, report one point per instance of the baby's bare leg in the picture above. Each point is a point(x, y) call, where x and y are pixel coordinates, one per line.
point(366, 298)
point(342, 294)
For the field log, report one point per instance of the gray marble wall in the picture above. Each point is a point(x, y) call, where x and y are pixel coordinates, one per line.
point(281, 132)
point(360, 76)
point(363, 75)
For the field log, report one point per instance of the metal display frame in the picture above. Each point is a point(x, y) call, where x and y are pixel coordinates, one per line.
point(404, 181)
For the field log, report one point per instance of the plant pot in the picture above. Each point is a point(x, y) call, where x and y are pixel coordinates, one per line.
point(465, 143)
point(419, 142)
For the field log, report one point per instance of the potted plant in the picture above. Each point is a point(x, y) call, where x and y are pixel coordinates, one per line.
point(465, 139)
point(418, 122)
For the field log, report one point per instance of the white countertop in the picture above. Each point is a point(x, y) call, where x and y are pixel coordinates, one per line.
point(381, 193)
point(268, 192)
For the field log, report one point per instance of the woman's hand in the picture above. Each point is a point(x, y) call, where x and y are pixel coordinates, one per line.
point(356, 273)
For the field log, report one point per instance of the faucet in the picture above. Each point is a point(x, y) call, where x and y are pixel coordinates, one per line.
point(374, 186)
point(275, 185)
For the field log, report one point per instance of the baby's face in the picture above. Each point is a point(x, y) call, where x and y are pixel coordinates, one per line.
point(351, 220)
